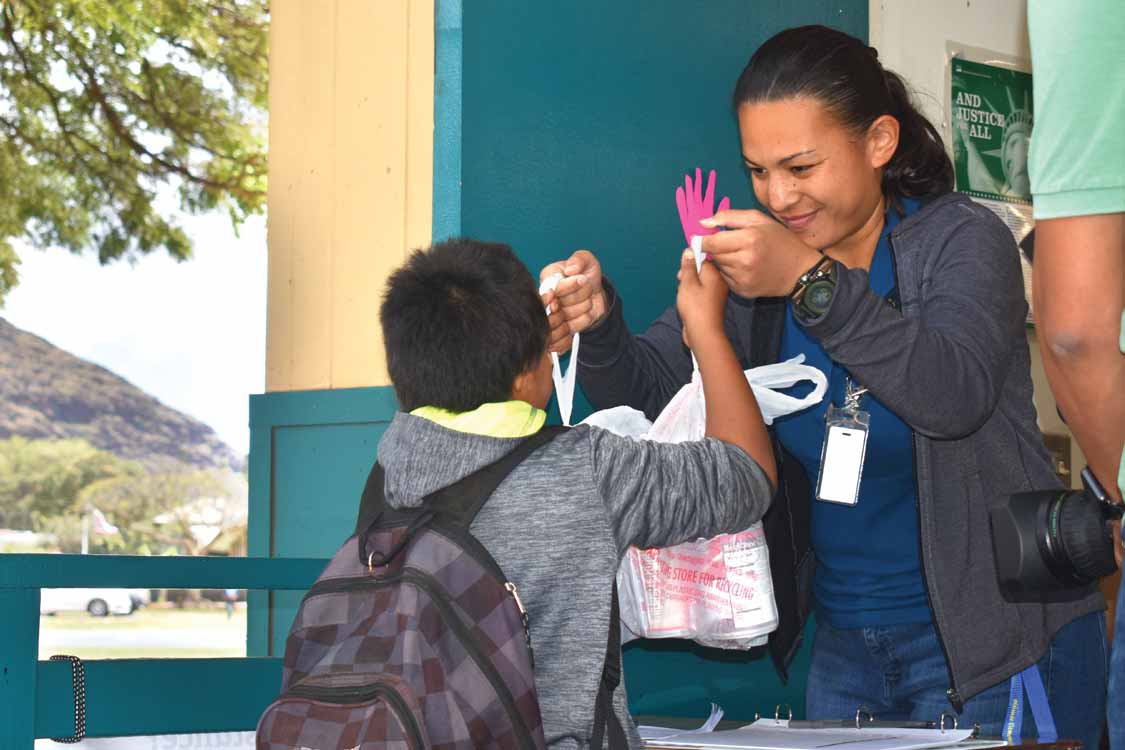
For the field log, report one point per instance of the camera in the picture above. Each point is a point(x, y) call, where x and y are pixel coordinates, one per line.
point(1054, 540)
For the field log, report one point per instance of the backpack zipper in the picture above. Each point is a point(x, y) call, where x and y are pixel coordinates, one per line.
point(363, 694)
point(437, 594)
point(511, 587)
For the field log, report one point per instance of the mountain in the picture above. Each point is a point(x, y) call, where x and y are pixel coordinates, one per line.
point(46, 392)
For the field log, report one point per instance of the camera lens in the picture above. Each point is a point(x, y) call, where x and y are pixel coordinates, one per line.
point(1050, 541)
point(1085, 537)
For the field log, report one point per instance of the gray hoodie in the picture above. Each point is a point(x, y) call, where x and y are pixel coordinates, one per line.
point(560, 523)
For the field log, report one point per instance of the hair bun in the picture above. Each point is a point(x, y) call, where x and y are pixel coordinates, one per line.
point(873, 52)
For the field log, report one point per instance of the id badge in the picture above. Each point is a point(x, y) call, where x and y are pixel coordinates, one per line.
point(841, 458)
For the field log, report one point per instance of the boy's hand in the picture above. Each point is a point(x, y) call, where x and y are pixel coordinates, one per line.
point(701, 299)
point(578, 302)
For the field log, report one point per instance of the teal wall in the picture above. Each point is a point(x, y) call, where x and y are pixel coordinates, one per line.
point(557, 126)
point(578, 122)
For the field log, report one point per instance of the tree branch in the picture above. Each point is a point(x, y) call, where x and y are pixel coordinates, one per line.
point(113, 117)
point(68, 135)
point(166, 119)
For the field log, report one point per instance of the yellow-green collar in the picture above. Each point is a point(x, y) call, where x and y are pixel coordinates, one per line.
point(506, 419)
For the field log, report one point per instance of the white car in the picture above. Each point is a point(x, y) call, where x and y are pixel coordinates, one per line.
point(98, 602)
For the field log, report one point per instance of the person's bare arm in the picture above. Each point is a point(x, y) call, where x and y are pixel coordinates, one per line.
point(1079, 292)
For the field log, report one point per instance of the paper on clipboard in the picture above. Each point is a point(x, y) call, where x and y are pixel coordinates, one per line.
point(770, 734)
point(657, 733)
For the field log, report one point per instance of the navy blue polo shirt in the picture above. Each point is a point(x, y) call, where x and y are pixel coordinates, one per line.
point(869, 569)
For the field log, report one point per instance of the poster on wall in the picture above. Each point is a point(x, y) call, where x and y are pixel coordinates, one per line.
point(990, 114)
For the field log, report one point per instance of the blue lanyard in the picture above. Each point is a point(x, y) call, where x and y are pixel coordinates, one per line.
point(1031, 681)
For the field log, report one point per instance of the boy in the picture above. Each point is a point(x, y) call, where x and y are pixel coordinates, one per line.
point(466, 341)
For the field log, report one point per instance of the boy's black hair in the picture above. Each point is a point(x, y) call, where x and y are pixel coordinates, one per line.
point(461, 320)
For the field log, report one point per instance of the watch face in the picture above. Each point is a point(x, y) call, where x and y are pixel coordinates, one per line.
point(818, 296)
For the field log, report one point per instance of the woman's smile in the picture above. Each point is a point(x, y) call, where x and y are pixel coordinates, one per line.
point(798, 222)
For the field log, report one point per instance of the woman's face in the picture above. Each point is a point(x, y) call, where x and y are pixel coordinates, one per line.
point(810, 172)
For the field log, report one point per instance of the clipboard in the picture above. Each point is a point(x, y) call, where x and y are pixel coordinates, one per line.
point(861, 734)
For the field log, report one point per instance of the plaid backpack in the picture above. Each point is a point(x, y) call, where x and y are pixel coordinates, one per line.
point(414, 638)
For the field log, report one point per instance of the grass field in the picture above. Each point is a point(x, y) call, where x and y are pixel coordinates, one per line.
point(148, 633)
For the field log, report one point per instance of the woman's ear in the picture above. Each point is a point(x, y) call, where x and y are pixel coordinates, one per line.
point(882, 141)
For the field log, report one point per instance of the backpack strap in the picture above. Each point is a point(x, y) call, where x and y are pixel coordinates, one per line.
point(372, 503)
point(459, 502)
point(604, 715)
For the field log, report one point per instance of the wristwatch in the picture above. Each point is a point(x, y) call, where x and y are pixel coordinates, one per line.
point(812, 294)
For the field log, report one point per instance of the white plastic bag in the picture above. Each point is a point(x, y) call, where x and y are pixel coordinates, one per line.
point(716, 591)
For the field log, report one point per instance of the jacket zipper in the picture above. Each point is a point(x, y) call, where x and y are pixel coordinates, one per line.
point(798, 559)
point(362, 694)
point(782, 493)
point(954, 696)
point(430, 586)
point(952, 693)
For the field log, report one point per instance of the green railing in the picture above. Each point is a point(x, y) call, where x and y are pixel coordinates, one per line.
point(133, 696)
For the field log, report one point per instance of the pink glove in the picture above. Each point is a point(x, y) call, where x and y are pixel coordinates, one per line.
point(694, 205)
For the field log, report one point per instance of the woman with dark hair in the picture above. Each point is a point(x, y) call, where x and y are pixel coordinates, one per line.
point(910, 298)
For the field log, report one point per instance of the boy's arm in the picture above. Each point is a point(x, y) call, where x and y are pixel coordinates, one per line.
point(733, 415)
point(660, 494)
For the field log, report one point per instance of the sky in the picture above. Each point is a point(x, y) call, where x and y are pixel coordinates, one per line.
point(192, 333)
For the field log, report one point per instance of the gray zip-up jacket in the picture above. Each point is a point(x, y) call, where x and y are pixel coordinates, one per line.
point(560, 523)
point(954, 365)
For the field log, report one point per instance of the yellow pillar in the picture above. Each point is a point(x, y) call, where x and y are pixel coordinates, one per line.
point(351, 162)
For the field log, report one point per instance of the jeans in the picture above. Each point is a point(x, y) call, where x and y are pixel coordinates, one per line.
point(1115, 711)
point(899, 672)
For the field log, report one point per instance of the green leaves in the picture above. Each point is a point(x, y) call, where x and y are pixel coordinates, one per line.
point(42, 479)
point(103, 102)
point(159, 512)
point(48, 485)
